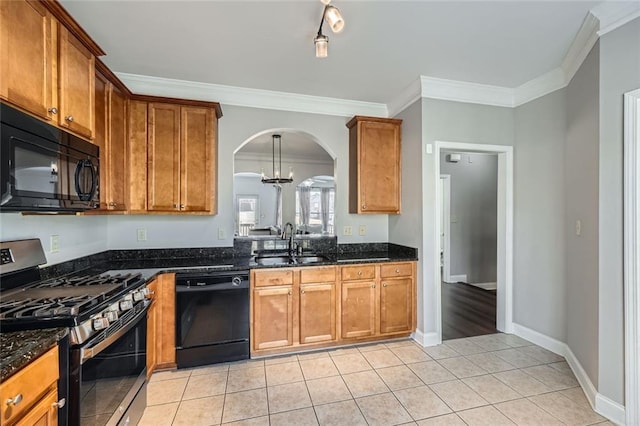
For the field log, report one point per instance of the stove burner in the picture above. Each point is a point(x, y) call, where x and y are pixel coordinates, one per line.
point(46, 307)
point(90, 280)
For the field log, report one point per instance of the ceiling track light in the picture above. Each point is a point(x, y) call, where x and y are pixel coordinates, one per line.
point(332, 15)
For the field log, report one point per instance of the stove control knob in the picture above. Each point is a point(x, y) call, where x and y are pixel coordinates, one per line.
point(145, 291)
point(100, 323)
point(125, 305)
point(111, 315)
point(138, 296)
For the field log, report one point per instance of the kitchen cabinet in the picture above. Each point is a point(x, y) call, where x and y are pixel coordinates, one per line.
point(273, 317)
point(374, 165)
point(173, 156)
point(47, 64)
point(317, 305)
point(378, 300)
point(30, 396)
point(161, 324)
point(111, 101)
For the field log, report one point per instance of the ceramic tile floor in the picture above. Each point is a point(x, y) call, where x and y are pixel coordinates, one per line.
point(496, 379)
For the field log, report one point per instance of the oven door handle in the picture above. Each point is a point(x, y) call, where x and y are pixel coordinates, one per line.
point(90, 352)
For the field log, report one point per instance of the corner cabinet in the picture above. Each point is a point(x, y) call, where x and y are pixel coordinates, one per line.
point(374, 165)
point(173, 156)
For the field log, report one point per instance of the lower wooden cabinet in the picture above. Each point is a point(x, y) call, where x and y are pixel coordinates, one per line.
point(30, 396)
point(161, 324)
point(308, 307)
point(273, 317)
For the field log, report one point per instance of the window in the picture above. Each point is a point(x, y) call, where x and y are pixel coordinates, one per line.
point(247, 216)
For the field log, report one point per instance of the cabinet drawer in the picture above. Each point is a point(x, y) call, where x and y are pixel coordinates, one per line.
point(396, 270)
point(275, 277)
point(318, 275)
point(358, 272)
point(28, 384)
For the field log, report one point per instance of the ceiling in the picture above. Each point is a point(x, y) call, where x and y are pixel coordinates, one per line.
point(384, 48)
point(295, 146)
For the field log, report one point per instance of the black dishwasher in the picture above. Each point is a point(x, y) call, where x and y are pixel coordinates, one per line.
point(212, 317)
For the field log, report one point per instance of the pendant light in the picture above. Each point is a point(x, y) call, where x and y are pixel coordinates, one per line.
point(334, 18)
point(277, 171)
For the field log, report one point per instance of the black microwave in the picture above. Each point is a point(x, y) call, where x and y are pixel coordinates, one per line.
point(44, 168)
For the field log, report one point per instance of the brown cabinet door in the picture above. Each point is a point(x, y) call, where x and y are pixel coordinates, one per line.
point(163, 193)
point(166, 322)
point(76, 67)
point(196, 159)
point(358, 309)
point(379, 159)
point(396, 305)
point(117, 151)
point(26, 56)
point(137, 156)
point(272, 317)
point(317, 313)
point(101, 134)
point(44, 413)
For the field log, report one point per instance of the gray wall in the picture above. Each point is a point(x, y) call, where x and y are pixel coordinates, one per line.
point(581, 192)
point(473, 215)
point(406, 228)
point(539, 223)
point(452, 122)
point(619, 73)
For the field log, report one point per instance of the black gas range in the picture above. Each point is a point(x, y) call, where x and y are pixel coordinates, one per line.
point(106, 317)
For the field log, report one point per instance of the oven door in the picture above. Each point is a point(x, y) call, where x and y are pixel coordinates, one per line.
point(108, 375)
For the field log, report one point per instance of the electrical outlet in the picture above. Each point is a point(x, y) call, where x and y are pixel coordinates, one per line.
point(362, 230)
point(142, 234)
point(347, 230)
point(222, 234)
point(54, 245)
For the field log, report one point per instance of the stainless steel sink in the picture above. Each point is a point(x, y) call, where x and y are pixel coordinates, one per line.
point(286, 260)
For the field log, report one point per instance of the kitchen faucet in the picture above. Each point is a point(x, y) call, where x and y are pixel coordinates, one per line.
point(292, 248)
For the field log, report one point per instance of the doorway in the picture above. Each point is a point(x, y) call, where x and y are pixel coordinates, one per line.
point(504, 253)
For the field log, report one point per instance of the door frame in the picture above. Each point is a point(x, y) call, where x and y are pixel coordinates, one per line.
point(446, 250)
point(504, 302)
point(632, 255)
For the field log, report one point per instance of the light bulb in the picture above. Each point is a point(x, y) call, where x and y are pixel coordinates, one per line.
point(322, 46)
point(334, 18)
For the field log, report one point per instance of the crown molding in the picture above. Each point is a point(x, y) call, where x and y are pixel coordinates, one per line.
point(581, 46)
point(405, 98)
point(614, 14)
point(540, 86)
point(252, 98)
point(462, 91)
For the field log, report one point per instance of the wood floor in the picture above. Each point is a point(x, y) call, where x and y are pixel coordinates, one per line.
point(467, 311)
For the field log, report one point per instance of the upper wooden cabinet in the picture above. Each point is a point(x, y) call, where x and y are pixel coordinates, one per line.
point(374, 165)
point(173, 156)
point(111, 102)
point(47, 64)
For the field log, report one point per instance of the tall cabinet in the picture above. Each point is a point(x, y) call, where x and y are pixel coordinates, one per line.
point(374, 165)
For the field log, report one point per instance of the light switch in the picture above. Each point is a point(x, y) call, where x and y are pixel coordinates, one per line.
point(347, 230)
point(54, 247)
point(221, 233)
point(363, 230)
point(142, 234)
point(578, 227)
point(429, 148)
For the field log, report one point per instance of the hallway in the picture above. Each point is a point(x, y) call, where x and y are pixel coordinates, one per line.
point(467, 311)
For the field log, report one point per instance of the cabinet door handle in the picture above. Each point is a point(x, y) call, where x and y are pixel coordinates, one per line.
point(60, 403)
point(69, 118)
point(53, 110)
point(15, 400)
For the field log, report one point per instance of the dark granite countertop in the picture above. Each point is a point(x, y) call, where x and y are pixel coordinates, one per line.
point(17, 349)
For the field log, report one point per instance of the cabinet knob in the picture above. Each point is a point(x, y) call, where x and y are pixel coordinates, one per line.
point(384, 284)
point(373, 286)
point(181, 206)
point(289, 293)
point(302, 291)
point(60, 403)
point(397, 271)
point(359, 272)
point(112, 204)
point(53, 110)
point(69, 118)
point(364, 207)
point(15, 400)
point(175, 206)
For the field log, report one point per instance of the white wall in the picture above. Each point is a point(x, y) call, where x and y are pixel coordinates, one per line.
point(473, 215)
point(406, 228)
point(452, 122)
point(539, 223)
point(581, 182)
point(78, 235)
point(619, 73)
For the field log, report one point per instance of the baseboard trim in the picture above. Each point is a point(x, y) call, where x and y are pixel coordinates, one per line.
point(485, 286)
point(457, 278)
point(426, 339)
point(418, 336)
point(600, 403)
